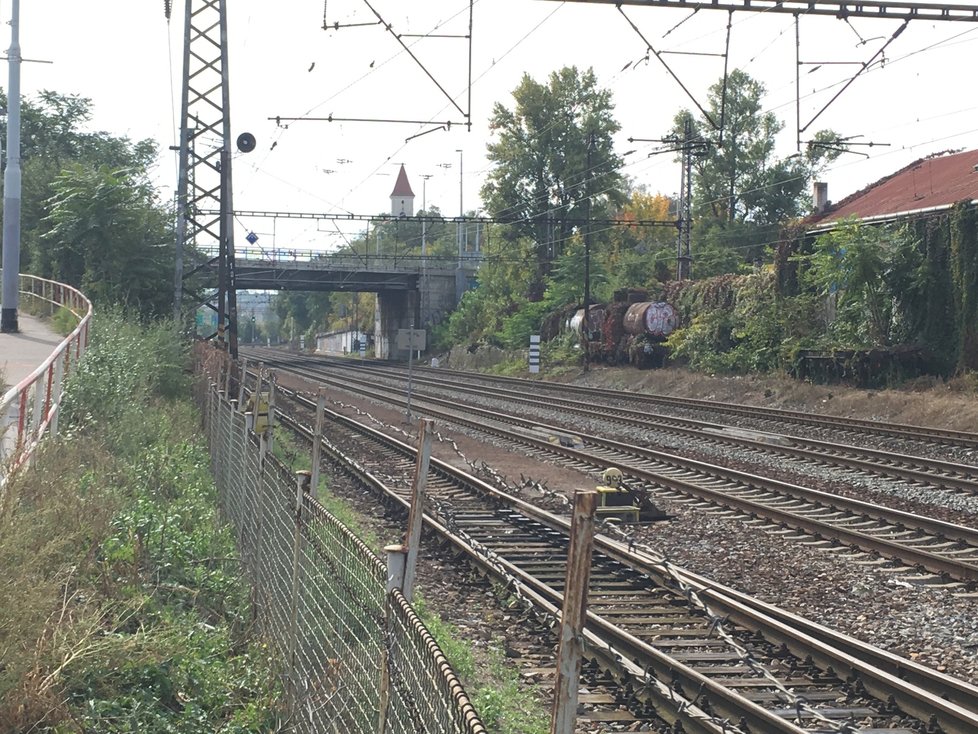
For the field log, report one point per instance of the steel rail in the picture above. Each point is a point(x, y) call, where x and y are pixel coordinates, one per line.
point(621, 454)
point(948, 437)
point(932, 472)
point(543, 595)
point(925, 704)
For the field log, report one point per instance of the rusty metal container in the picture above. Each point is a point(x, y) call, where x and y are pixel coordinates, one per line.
point(655, 319)
point(596, 315)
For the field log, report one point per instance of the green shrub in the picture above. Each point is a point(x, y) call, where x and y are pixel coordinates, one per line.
point(64, 321)
point(125, 609)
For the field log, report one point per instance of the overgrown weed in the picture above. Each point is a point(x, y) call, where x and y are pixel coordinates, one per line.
point(123, 608)
point(504, 705)
point(64, 321)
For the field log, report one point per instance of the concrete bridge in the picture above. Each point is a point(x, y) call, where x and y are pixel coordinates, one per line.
point(412, 291)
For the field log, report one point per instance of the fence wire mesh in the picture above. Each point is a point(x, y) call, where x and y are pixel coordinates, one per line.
point(355, 657)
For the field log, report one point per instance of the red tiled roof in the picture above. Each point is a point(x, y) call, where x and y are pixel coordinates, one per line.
point(925, 184)
point(401, 186)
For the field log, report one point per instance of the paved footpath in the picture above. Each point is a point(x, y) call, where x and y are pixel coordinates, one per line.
point(23, 352)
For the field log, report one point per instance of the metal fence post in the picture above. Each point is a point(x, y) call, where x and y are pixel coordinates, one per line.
point(301, 488)
point(211, 432)
point(8, 430)
point(573, 613)
point(40, 385)
point(228, 364)
point(317, 440)
point(396, 562)
point(257, 525)
point(419, 485)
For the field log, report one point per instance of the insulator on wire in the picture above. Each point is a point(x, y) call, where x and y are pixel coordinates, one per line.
point(167, 7)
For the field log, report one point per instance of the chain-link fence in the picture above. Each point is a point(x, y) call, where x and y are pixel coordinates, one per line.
point(356, 658)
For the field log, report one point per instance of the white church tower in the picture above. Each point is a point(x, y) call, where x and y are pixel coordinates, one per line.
point(402, 198)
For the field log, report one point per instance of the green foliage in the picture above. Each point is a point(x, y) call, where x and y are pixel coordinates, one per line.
point(516, 330)
point(540, 159)
point(874, 274)
point(861, 287)
point(89, 215)
point(503, 281)
point(742, 193)
point(108, 235)
point(964, 272)
point(639, 256)
point(506, 706)
point(64, 321)
point(131, 363)
point(494, 686)
point(727, 246)
point(739, 324)
point(131, 615)
point(737, 177)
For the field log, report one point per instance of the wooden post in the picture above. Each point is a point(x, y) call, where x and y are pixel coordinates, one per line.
point(317, 440)
point(59, 371)
point(574, 612)
point(418, 488)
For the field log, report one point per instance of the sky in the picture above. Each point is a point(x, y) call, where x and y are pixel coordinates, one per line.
point(125, 57)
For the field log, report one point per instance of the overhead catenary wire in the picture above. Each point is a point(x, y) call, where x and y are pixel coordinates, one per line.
point(552, 208)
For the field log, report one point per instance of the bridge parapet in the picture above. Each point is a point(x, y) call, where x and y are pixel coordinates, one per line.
point(319, 260)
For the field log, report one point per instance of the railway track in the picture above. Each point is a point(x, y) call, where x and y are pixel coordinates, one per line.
point(661, 631)
point(946, 551)
point(921, 471)
point(787, 418)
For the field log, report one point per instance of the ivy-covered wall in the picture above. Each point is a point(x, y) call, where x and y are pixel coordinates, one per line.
point(963, 228)
point(907, 291)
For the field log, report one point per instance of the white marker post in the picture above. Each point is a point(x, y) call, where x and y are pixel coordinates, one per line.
point(534, 354)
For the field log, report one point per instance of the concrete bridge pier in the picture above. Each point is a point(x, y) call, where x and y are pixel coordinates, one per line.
point(395, 310)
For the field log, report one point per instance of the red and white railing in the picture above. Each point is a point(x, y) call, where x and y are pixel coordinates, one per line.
point(29, 410)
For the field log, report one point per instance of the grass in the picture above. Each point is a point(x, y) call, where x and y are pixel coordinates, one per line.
point(64, 321)
point(286, 447)
point(494, 687)
point(123, 609)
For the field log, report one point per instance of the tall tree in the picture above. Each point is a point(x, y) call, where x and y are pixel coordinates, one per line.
point(88, 206)
point(743, 193)
point(109, 235)
point(639, 256)
point(540, 155)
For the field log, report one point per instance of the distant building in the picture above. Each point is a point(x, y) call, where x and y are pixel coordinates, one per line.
point(924, 187)
point(402, 197)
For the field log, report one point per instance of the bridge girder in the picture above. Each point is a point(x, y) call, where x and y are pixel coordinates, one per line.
point(859, 9)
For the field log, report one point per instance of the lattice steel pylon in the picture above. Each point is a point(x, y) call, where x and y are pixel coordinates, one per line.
point(204, 183)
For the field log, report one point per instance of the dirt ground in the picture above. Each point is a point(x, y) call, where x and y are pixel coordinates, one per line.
point(951, 404)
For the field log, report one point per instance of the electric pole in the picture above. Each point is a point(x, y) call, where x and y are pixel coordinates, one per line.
point(204, 206)
point(587, 253)
point(685, 220)
point(12, 184)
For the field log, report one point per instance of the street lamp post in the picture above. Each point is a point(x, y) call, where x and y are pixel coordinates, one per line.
point(12, 184)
